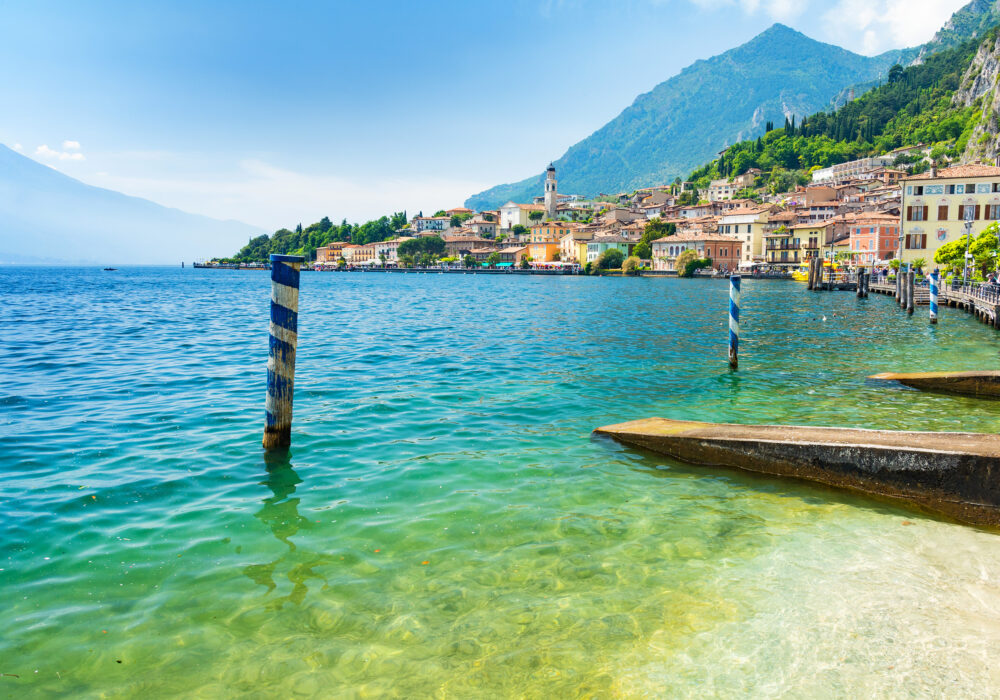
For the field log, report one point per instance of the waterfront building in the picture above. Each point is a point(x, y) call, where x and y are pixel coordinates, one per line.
point(600, 245)
point(512, 256)
point(390, 249)
point(873, 238)
point(551, 196)
point(459, 244)
point(748, 224)
point(726, 252)
point(348, 252)
point(790, 246)
point(431, 224)
point(330, 253)
point(935, 205)
point(543, 251)
point(458, 211)
point(573, 245)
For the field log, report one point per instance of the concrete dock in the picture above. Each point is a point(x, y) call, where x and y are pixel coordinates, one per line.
point(953, 474)
point(981, 384)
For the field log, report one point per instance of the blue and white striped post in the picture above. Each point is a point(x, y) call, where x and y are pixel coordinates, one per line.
point(933, 283)
point(734, 321)
point(281, 352)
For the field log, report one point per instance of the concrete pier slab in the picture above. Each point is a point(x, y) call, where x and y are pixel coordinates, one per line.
point(954, 474)
point(982, 384)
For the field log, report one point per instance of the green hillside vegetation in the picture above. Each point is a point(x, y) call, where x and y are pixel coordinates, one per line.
point(305, 241)
point(913, 106)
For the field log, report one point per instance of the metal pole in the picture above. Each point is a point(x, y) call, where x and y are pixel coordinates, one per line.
point(281, 352)
point(934, 296)
point(734, 321)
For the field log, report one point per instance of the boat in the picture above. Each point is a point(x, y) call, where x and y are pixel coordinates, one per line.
point(110, 269)
point(801, 273)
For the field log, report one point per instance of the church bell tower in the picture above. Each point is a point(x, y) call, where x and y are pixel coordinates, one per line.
point(550, 192)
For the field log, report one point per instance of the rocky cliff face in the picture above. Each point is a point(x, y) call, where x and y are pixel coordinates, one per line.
point(980, 84)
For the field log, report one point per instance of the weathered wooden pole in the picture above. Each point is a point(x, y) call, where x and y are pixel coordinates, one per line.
point(868, 282)
point(860, 282)
point(811, 274)
point(911, 277)
point(281, 352)
point(899, 288)
point(933, 287)
point(734, 321)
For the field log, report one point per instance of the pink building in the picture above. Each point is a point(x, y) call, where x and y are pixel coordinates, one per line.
point(874, 238)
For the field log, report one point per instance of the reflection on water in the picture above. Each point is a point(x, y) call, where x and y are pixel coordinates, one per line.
point(280, 513)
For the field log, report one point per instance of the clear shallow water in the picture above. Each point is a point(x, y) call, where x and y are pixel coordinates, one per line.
point(445, 525)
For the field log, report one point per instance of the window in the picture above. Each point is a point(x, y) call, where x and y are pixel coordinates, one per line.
point(949, 189)
point(916, 213)
point(918, 189)
point(916, 241)
point(942, 212)
point(970, 189)
point(992, 212)
point(963, 209)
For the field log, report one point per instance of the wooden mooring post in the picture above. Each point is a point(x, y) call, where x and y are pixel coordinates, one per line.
point(281, 350)
point(734, 321)
point(860, 283)
point(910, 279)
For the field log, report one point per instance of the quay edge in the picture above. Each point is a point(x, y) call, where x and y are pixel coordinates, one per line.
point(982, 384)
point(951, 474)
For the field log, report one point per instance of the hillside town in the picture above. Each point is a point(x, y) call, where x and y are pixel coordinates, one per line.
point(863, 212)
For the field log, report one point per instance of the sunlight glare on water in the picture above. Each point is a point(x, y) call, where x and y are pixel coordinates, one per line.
point(445, 525)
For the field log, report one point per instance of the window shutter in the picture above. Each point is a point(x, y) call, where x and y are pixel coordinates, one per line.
point(909, 213)
point(942, 212)
point(977, 212)
point(925, 214)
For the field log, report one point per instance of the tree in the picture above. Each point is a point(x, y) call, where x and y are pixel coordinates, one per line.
point(488, 217)
point(381, 257)
point(430, 245)
point(610, 259)
point(493, 259)
point(398, 220)
point(686, 256)
point(642, 250)
point(895, 74)
point(525, 262)
point(455, 221)
point(519, 230)
point(439, 212)
point(469, 261)
point(631, 265)
point(536, 215)
point(918, 264)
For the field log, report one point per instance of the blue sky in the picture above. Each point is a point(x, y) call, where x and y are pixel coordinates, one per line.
point(274, 113)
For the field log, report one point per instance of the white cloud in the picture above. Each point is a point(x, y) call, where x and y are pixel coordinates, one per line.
point(18, 147)
point(71, 145)
point(779, 10)
point(51, 154)
point(873, 26)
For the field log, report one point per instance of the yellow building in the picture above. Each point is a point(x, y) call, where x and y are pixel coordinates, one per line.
point(573, 246)
point(790, 246)
point(548, 231)
point(749, 224)
point(937, 203)
point(543, 252)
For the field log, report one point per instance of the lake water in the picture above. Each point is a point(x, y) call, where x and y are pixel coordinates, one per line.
point(445, 525)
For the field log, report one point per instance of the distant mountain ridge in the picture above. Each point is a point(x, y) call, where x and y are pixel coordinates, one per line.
point(46, 216)
point(686, 120)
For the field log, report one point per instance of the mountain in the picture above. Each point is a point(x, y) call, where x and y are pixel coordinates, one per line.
point(969, 22)
point(46, 216)
point(685, 120)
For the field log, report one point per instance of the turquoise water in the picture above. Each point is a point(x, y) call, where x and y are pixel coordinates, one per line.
point(445, 525)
